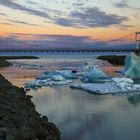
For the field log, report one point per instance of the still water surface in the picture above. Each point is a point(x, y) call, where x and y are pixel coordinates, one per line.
point(78, 114)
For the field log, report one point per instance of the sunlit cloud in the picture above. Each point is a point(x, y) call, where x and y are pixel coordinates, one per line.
point(13, 5)
point(2, 14)
point(105, 19)
point(77, 18)
point(125, 4)
point(91, 17)
point(22, 22)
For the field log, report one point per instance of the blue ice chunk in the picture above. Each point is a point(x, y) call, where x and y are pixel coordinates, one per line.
point(132, 66)
point(68, 74)
point(94, 74)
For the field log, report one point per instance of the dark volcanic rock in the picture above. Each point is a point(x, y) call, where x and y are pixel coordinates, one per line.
point(18, 117)
point(4, 63)
point(114, 59)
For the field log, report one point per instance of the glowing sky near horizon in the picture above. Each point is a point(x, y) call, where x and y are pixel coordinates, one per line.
point(96, 19)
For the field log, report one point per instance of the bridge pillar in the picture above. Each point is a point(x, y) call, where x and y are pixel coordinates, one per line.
point(137, 39)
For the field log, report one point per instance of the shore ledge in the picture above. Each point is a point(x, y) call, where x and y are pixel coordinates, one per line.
point(18, 118)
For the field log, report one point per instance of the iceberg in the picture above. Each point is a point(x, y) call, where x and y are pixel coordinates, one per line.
point(43, 77)
point(66, 74)
point(50, 78)
point(48, 74)
point(132, 66)
point(94, 74)
point(58, 78)
point(51, 72)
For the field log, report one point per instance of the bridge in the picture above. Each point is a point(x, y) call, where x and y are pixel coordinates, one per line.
point(128, 43)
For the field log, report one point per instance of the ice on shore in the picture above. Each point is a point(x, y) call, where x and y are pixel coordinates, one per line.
point(35, 84)
point(123, 86)
point(132, 66)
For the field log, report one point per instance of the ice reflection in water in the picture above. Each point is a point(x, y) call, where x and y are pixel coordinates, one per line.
point(82, 116)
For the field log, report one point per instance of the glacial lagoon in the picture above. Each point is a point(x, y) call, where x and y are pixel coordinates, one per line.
point(78, 114)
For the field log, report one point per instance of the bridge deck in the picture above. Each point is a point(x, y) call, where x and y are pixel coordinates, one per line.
point(68, 50)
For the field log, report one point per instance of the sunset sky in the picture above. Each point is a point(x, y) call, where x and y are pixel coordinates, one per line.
point(77, 22)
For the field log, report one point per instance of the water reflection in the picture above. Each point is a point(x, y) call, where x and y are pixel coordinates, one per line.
point(79, 115)
point(135, 100)
point(83, 116)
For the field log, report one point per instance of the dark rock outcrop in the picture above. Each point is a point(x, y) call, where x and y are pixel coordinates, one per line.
point(18, 117)
point(4, 63)
point(114, 59)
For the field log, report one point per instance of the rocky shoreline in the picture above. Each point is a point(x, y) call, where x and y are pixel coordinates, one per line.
point(18, 117)
point(4, 63)
point(17, 57)
point(114, 59)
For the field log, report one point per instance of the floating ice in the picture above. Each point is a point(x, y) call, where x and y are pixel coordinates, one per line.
point(125, 84)
point(40, 83)
point(65, 74)
point(43, 77)
point(132, 66)
point(115, 86)
point(32, 85)
point(97, 88)
point(68, 74)
point(125, 80)
point(58, 78)
point(65, 82)
point(50, 78)
point(94, 74)
point(51, 73)
point(89, 74)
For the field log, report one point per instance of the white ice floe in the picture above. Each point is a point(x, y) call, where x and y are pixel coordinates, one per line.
point(50, 78)
point(66, 74)
point(58, 78)
point(96, 88)
point(65, 82)
point(123, 79)
point(40, 83)
point(116, 86)
point(35, 84)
